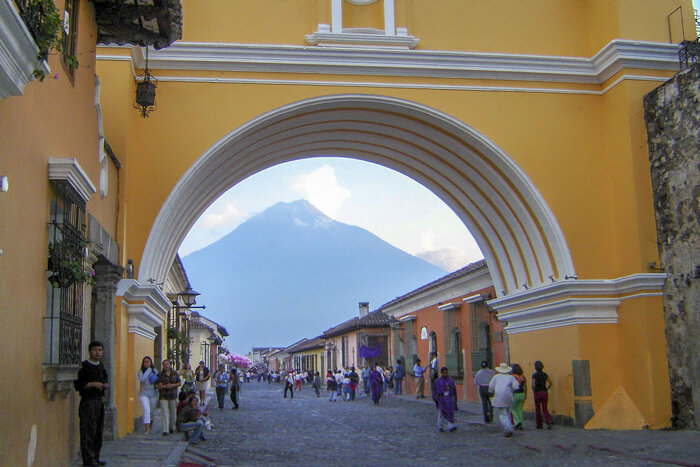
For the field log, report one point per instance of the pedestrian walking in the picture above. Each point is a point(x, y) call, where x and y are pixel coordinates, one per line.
point(420, 382)
point(202, 380)
point(289, 384)
point(445, 396)
point(148, 395)
point(518, 397)
point(339, 379)
point(187, 376)
point(347, 388)
point(92, 383)
point(331, 386)
point(365, 379)
point(316, 384)
point(297, 382)
point(502, 386)
point(482, 380)
point(434, 372)
point(541, 384)
point(399, 374)
point(354, 381)
point(221, 382)
point(375, 383)
point(167, 383)
point(234, 387)
point(388, 379)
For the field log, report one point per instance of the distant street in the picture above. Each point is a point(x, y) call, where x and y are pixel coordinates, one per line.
point(305, 430)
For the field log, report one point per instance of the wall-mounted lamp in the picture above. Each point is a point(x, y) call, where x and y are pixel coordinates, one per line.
point(146, 91)
point(4, 183)
point(188, 296)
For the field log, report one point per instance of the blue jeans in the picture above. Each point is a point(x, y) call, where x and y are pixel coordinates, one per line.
point(365, 385)
point(397, 386)
point(196, 428)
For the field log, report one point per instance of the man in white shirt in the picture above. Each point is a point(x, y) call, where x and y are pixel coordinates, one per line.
point(502, 386)
point(420, 382)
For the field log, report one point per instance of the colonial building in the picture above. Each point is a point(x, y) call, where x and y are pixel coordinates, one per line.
point(62, 248)
point(309, 355)
point(344, 342)
point(448, 316)
point(206, 337)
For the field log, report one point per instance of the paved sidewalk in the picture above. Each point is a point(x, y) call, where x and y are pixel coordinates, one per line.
point(139, 450)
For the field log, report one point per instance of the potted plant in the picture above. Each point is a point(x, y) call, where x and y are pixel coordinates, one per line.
point(44, 23)
point(66, 265)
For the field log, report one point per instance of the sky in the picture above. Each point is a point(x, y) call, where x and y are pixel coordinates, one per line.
point(387, 203)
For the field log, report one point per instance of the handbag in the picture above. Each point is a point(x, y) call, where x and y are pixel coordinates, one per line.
point(152, 378)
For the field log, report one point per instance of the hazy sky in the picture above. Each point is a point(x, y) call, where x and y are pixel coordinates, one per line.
point(385, 202)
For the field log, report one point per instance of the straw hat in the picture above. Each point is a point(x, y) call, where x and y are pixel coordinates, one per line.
point(503, 368)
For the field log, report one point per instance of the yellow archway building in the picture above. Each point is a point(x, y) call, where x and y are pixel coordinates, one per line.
point(524, 117)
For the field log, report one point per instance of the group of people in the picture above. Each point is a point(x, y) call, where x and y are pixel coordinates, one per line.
point(162, 388)
point(507, 387)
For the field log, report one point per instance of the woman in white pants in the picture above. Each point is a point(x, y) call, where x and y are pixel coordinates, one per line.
point(148, 395)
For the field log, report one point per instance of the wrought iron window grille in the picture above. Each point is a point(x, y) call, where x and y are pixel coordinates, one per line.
point(66, 295)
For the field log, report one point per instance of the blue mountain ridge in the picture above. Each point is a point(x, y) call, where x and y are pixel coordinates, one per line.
point(292, 272)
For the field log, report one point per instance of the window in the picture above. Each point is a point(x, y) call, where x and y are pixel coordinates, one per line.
point(344, 351)
point(70, 36)
point(66, 275)
point(480, 335)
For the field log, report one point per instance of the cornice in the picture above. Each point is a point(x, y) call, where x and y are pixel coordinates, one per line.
point(573, 302)
point(358, 40)
point(69, 171)
point(624, 287)
point(147, 306)
point(440, 293)
point(18, 53)
point(377, 61)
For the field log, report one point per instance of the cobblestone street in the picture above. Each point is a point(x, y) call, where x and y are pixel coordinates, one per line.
point(306, 430)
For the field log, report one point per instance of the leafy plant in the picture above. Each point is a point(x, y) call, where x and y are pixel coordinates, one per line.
point(66, 264)
point(44, 22)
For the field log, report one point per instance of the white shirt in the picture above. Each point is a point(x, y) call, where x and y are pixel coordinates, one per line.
point(503, 386)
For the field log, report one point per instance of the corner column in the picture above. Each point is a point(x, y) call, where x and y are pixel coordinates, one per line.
point(107, 275)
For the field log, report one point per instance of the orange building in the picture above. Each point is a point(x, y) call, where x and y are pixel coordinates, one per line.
point(448, 316)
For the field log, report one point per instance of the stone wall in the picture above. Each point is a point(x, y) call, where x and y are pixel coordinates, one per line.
point(672, 115)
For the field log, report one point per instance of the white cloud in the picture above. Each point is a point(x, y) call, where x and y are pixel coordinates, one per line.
point(321, 188)
point(427, 240)
point(449, 259)
point(228, 215)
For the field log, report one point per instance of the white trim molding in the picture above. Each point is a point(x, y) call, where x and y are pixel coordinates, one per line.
point(450, 306)
point(68, 170)
point(18, 53)
point(147, 306)
point(382, 61)
point(571, 302)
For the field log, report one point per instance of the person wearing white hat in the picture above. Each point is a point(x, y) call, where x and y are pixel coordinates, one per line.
point(502, 386)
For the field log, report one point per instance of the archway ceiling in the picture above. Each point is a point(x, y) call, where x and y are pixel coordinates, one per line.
point(517, 233)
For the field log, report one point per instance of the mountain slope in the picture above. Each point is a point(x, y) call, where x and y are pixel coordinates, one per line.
point(292, 272)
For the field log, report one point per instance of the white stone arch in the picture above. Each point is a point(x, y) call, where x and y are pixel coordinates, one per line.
point(515, 229)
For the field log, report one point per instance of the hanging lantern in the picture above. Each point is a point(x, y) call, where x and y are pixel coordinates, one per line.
point(146, 91)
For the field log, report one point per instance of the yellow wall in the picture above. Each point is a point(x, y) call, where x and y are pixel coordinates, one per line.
point(566, 143)
point(54, 118)
point(542, 27)
point(630, 354)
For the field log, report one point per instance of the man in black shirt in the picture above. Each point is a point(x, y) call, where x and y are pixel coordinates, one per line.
point(92, 383)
